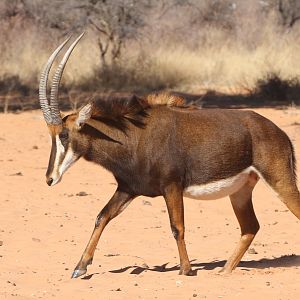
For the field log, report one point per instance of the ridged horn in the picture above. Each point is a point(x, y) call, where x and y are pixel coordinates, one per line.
point(55, 113)
point(43, 84)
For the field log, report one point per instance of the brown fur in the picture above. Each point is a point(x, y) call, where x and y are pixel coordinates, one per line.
point(54, 129)
point(158, 146)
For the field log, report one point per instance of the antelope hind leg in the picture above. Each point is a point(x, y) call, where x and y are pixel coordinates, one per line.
point(242, 205)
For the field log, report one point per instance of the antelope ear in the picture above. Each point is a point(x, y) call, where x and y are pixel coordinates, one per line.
point(84, 115)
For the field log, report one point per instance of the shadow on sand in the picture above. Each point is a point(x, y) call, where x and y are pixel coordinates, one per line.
point(213, 99)
point(269, 97)
point(285, 261)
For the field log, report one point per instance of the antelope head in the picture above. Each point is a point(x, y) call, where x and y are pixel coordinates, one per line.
point(61, 130)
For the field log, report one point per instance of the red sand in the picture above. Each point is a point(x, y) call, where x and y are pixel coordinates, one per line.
point(44, 231)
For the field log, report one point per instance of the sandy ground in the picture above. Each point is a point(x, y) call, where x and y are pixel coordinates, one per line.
point(44, 230)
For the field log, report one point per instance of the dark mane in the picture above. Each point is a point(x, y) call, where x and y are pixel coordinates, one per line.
point(116, 110)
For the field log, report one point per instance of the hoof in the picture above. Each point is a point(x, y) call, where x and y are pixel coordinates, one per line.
point(224, 271)
point(189, 272)
point(81, 268)
point(77, 273)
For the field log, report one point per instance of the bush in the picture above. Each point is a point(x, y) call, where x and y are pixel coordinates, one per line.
point(273, 87)
point(12, 84)
point(140, 75)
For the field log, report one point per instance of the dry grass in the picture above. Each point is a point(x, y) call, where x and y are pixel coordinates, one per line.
point(226, 65)
point(227, 68)
point(26, 54)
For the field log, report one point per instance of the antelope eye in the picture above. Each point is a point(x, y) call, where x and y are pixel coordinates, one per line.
point(63, 135)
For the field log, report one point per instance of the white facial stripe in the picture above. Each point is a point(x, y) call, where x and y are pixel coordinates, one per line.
point(61, 165)
point(69, 159)
point(60, 150)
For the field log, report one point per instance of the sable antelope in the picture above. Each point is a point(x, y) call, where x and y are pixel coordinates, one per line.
point(160, 146)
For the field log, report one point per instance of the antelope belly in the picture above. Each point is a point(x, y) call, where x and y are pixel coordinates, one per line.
point(218, 189)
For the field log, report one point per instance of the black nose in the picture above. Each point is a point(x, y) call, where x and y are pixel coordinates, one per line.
point(49, 181)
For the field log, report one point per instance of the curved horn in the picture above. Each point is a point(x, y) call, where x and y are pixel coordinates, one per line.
point(43, 84)
point(55, 113)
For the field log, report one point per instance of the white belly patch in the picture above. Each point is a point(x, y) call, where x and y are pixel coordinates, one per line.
point(218, 189)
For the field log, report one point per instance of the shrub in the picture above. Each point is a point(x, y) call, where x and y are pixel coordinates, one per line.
point(273, 87)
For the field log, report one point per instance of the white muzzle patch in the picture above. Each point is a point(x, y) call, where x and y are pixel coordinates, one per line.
point(63, 161)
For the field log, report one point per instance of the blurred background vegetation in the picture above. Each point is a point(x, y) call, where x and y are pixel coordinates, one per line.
point(191, 46)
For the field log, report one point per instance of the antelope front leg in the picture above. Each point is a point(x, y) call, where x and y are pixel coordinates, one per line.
point(115, 206)
point(174, 200)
